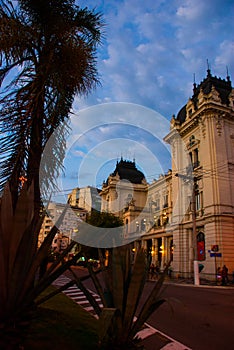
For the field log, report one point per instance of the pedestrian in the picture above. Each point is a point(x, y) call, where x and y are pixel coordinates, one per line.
point(170, 271)
point(224, 275)
point(219, 275)
point(157, 271)
point(152, 271)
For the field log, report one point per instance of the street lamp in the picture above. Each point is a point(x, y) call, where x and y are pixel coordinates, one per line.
point(194, 235)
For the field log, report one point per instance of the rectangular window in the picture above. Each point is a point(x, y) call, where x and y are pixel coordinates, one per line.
point(157, 204)
point(165, 201)
point(199, 201)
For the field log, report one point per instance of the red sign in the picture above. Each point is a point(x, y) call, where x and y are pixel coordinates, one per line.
point(201, 251)
point(215, 248)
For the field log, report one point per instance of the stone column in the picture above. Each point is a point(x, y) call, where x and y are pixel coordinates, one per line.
point(155, 251)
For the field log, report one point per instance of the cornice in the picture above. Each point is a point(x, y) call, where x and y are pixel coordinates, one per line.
point(206, 110)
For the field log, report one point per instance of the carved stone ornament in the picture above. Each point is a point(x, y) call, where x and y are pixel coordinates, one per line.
point(219, 124)
point(201, 98)
point(214, 95)
point(202, 125)
point(231, 98)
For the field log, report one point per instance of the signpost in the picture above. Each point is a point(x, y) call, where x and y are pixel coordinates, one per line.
point(214, 252)
point(194, 232)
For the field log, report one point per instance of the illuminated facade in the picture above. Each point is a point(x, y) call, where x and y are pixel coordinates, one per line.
point(187, 211)
point(205, 127)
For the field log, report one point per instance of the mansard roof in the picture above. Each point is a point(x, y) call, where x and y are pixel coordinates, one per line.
point(127, 171)
point(222, 86)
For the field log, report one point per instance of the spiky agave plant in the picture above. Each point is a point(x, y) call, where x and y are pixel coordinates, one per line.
point(120, 295)
point(19, 265)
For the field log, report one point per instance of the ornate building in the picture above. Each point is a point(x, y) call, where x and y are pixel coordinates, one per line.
point(190, 210)
point(206, 127)
point(125, 195)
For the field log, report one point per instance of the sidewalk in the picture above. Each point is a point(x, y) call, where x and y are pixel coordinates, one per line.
point(190, 282)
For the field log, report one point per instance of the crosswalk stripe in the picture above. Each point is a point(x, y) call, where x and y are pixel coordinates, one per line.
point(89, 308)
point(81, 302)
point(74, 293)
point(79, 297)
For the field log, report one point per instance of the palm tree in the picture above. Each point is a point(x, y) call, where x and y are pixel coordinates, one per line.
point(50, 47)
point(47, 56)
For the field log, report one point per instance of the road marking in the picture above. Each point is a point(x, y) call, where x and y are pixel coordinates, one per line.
point(173, 345)
point(146, 332)
point(79, 297)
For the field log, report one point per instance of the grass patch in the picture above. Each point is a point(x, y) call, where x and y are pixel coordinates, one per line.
point(61, 324)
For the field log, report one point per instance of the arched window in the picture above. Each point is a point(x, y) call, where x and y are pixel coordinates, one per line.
point(201, 252)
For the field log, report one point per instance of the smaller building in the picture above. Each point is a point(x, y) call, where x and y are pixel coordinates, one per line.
point(86, 197)
point(124, 194)
point(70, 222)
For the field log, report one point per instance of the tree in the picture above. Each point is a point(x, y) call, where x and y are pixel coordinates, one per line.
point(50, 47)
point(47, 56)
point(104, 219)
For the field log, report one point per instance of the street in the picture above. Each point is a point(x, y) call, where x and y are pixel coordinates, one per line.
point(201, 318)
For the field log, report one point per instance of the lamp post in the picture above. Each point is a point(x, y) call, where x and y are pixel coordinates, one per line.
point(194, 234)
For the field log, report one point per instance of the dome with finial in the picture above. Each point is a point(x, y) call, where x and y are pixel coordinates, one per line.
point(127, 170)
point(222, 86)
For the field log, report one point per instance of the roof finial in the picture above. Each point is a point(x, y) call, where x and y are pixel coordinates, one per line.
point(208, 68)
point(194, 83)
point(228, 77)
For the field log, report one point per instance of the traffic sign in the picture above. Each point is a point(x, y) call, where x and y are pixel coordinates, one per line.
point(216, 255)
point(215, 248)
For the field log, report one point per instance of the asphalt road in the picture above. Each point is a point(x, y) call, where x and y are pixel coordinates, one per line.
point(200, 317)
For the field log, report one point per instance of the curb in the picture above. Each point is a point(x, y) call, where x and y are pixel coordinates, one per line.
point(189, 284)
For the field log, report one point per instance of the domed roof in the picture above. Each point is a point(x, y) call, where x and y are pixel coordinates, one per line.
point(181, 116)
point(222, 86)
point(127, 171)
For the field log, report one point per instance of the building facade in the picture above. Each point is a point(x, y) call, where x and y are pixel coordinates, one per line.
point(73, 216)
point(86, 197)
point(125, 195)
point(188, 213)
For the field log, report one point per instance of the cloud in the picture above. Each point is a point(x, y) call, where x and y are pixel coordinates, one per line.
point(152, 49)
point(225, 58)
point(191, 10)
point(150, 53)
point(79, 153)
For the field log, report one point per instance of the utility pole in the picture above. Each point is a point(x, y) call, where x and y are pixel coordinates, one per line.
point(194, 228)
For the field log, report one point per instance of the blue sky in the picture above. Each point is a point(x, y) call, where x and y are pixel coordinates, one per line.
point(152, 49)
point(150, 53)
